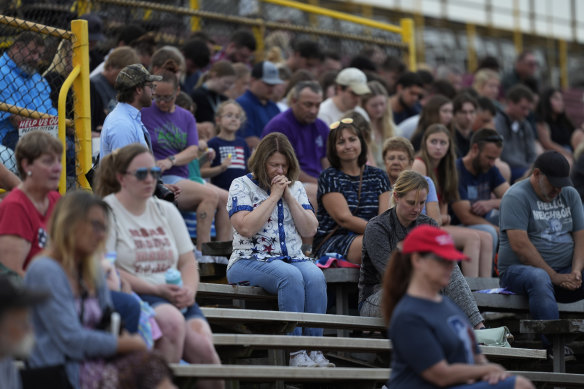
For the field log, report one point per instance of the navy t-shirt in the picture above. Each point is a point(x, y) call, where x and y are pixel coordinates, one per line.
point(474, 188)
point(239, 156)
point(423, 333)
point(257, 114)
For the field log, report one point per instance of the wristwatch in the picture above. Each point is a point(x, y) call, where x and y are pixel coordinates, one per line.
point(172, 159)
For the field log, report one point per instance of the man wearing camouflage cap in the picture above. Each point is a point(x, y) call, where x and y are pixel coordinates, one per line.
point(123, 126)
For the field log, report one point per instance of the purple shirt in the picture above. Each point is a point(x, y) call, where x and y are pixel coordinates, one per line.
point(171, 133)
point(308, 140)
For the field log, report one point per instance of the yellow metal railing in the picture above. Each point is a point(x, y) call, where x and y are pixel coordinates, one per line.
point(79, 80)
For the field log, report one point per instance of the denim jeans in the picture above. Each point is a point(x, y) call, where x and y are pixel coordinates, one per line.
point(128, 308)
point(541, 293)
point(301, 286)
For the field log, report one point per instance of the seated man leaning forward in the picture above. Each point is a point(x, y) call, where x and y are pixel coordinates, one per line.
point(541, 252)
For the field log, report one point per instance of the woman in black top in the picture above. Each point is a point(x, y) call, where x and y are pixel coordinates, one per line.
point(218, 80)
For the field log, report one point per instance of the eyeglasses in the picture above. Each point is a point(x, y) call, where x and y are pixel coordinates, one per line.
point(142, 173)
point(232, 116)
point(342, 121)
point(164, 99)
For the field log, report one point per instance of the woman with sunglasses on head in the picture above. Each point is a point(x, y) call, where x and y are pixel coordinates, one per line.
point(433, 342)
point(175, 144)
point(152, 243)
point(437, 160)
point(381, 239)
point(270, 213)
point(349, 194)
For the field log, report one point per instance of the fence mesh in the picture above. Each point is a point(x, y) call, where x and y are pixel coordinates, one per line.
point(35, 60)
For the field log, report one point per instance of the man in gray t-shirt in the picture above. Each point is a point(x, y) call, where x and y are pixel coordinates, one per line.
point(541, 252)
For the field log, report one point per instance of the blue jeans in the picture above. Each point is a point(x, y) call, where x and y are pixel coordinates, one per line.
point(129, 309)
point(301, 286)
point(541, 293)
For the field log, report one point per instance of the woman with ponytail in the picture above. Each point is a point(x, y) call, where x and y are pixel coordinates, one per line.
point(433, 341)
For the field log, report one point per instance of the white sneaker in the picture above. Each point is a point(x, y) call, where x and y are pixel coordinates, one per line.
point(319, 359)
point(301, 359)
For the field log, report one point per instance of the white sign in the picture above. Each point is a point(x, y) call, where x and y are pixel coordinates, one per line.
point(50, 126)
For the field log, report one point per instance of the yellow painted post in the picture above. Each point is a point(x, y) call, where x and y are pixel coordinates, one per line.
point(83, 7)
point(517, 35)
point(81, 102)
point(471, 33)
point(313, 18)
point(563, 49)
point(407, 33)
point(419, 36)
point(258, 33)
point(195, 20)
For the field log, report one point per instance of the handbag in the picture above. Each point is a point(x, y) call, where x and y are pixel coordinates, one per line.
point(499, 336)
point(327, 237)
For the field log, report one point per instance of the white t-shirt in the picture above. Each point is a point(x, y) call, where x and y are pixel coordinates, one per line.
point(408, 126)
point(330, 113)
point(149, 244)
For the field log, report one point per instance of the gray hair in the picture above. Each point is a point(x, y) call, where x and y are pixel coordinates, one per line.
point(312, 85)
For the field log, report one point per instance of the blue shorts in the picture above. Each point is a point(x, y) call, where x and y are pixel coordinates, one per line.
point(172, 179)
point(192, 312)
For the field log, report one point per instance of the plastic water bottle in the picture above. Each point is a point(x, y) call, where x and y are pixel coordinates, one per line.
point(111, 257)
point(173, 277)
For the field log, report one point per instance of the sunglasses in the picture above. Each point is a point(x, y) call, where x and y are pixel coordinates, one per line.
point(164, 99)
point(142, 173)
point(342, 121)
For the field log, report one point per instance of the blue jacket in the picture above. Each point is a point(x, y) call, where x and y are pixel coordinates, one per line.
point(60, 337)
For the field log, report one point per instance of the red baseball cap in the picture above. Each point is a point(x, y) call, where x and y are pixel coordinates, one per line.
point(430, 239)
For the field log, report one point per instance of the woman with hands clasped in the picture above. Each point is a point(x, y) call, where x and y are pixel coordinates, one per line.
point(270, 214)
point(433, 342)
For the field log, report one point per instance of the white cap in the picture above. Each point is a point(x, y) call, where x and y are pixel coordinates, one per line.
point(355, 79)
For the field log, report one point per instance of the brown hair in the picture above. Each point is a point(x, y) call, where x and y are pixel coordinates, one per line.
point(113, 164)
point(331, 147)
point(430, 114)
point(120, 57)
point(34, 144)
point(396, 280)
point(447, 178)
point(399, 143)
point(221, 108)
point(270, 144)
point(70, 211)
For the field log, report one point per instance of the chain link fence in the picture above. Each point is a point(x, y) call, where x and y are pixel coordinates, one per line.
point(35, 61)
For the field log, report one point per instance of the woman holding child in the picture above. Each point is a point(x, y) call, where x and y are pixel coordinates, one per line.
point(270, 214)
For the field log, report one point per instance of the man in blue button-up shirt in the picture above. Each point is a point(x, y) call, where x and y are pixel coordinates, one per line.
point(123, 126)
point(22, 85)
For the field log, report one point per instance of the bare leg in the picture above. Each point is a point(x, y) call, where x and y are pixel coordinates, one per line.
point(222, 223)
point(202, 199)
point(354, 253)
point(485, 254)
point(199, 349)
point(172, 326)
point(468, 241)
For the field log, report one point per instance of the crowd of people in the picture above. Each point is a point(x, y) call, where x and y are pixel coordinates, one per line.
point(400, 173)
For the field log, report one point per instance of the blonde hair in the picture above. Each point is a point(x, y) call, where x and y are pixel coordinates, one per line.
point(69, 213)
point(270, 144)
point(221, 108)
point(407, 182)
point(62, 61)
point(483, 76)
point(388, 126)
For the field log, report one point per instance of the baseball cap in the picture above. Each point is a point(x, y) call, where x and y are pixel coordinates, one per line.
point(555, 167)
point(424, 239)
point(355, 79)
point(13, 295)
point(94, 27)
point(134, 75)
point(267, 72)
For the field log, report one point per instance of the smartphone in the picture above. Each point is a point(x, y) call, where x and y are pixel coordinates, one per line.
point(115, 324)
